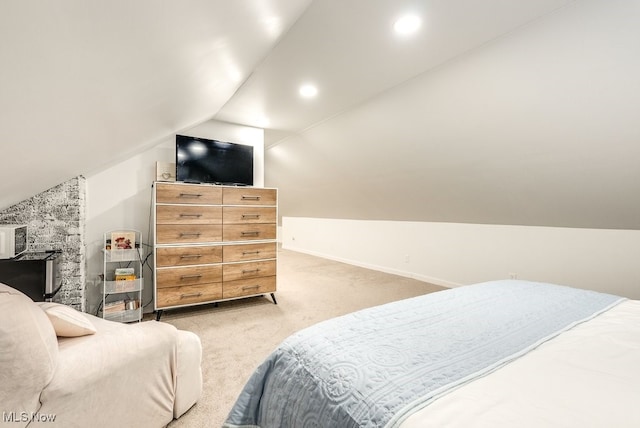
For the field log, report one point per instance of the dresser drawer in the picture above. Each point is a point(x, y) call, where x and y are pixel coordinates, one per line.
point(234, 271)
point(173, 277)
point(248, 215)
point(184, 256)
point(188, 233)
point(248, 287)
point(188, 194)
point(241, 232)
point(188, 214)
point(248, 196)
point(238, 253)
point(188, 294)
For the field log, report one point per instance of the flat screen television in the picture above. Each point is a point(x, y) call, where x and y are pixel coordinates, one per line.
point(199, 160)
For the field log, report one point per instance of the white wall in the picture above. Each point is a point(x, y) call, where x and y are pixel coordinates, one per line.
point(119, 197)
point(452, 254)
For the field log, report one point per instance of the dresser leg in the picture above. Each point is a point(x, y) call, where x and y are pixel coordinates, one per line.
point(158, 315)
point(273, 297)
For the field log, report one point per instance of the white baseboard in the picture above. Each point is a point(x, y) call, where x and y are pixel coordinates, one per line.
point(406, 274)
point(453, 254)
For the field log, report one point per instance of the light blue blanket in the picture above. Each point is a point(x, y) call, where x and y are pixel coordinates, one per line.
point(374, 367)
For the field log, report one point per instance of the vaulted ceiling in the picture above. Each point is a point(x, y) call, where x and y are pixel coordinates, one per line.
point(536, 126)
point(86, 84)
point(350, 51)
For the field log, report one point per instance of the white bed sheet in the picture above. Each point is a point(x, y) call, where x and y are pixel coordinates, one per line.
point(588, 376)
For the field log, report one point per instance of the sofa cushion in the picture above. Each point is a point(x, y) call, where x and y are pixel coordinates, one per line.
point(66, 321)
point(124, 376)
point(28, 351)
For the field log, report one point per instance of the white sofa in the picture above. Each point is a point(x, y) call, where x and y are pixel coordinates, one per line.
point(107, 375)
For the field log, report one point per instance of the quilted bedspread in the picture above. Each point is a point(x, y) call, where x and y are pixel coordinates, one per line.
point(374, 367)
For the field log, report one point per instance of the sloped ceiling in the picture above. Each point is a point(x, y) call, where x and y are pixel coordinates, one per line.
point(348, 50)
point(531, 124)
point(86, 83)
point(447, 125)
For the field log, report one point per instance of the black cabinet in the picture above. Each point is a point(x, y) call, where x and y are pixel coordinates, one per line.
point(36, 274)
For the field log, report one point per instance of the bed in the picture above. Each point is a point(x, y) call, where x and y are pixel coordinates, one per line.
point(496, 354)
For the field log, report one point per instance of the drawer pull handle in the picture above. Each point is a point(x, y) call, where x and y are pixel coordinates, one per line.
point(190, 215)
point(255, 233)
point(185, 234)
point(248, 253)
point(185, 295)
point(190, 276)
point(190, 256)
point(248, 271)
point(244, 216)
point(250, 287)
point(250, 198)
point(190, 195)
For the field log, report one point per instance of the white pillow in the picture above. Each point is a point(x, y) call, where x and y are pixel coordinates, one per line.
point(66, 321)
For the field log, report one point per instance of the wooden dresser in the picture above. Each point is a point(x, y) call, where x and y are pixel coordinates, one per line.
point(212, 243)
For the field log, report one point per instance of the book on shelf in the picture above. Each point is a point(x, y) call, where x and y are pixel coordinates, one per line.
point(125, 271)
point(125, 277)
point(113, 307)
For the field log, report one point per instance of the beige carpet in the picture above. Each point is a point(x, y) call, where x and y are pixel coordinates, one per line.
point(236, 336)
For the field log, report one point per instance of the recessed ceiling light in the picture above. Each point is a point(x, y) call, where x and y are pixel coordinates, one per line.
point(308, 90)
point(407, 24)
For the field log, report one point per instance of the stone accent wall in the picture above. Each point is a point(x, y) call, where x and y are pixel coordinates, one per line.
point(56, 221)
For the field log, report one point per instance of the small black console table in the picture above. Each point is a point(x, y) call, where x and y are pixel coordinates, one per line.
point(36, 274)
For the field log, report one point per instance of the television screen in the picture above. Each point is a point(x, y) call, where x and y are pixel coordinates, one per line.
point(199, 160)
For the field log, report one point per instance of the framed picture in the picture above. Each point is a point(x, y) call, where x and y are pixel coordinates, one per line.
point(123, 240)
